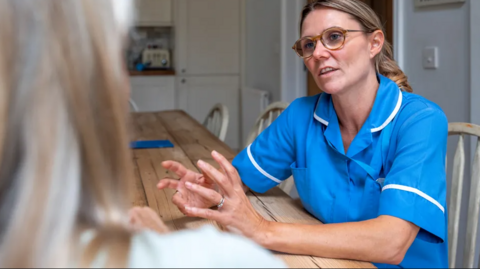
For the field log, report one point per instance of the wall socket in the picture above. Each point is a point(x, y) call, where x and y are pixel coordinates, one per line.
point(424, 3)
point(430, 58)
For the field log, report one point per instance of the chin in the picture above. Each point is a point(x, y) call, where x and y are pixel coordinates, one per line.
point(333, 87)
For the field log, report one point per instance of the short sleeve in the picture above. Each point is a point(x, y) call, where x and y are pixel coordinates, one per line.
point(202, 248)
point(266, 162)
point(415, 186)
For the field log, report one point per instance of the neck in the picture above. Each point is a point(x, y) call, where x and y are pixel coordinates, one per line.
point(354, 105)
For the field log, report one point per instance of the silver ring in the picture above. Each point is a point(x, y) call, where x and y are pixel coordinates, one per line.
point(221, 203)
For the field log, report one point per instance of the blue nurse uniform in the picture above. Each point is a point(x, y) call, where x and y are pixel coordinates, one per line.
point(395, 165)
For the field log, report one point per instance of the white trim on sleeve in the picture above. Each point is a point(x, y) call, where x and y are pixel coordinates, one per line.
point(416, 191)
point(259, 168)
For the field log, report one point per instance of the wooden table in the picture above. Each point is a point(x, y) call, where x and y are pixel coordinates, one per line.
point(193, 142)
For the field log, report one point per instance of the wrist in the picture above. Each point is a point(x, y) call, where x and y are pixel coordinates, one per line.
point(262, 232)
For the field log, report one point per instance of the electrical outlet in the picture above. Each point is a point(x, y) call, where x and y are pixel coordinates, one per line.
point(423, 3)
point(430, 58)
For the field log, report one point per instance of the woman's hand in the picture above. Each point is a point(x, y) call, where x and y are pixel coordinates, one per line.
point(145, 218)
point(185, 197)
point(237, 213)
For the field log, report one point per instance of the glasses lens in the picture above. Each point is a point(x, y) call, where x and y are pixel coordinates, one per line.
point(333, 38)
point(305, 47)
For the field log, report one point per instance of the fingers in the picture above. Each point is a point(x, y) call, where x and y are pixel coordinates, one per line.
point(180, 202)
point(177, 198)
point(209, 194)
point(154, 221)
point(206, 214)
point(135, 219)
point(146, 218)
point(168, 183)
point(216, 176)
point(182, 172)
point(230, 171)
point(175, 167)
point(201, 179)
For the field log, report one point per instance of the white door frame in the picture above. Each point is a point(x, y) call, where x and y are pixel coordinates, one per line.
point(474, 62)
point(398, 32)
point(293, 76)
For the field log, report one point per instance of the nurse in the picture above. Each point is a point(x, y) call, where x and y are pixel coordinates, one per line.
point(367, 156)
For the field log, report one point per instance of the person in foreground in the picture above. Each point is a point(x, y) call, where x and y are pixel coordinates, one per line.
point(65, 164)
point(367, 156)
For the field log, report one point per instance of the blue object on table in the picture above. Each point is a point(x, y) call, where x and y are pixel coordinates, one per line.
point(140, 67)
point(149, 144)
point(143, 66)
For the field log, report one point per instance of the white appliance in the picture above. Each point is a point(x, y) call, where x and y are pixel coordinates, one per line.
point(156, 58)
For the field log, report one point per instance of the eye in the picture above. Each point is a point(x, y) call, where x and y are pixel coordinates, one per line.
point(335, 36)
point(309, 45)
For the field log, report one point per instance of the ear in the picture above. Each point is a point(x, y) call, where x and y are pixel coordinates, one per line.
point(377, 39)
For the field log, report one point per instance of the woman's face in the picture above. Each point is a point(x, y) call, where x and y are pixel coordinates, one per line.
point(351, 64)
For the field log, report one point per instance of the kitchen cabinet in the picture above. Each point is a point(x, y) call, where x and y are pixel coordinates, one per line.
point(154, 12)
point(198, 94)
point(208, 37)
point(207, 55)
point(153, 93)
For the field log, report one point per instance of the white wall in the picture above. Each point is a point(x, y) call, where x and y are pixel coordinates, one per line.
point(270, 63)
point(261, 58)
point(262, 63)
point(293, 71)
point(448, 28)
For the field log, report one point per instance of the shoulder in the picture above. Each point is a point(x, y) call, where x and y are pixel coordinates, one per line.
point(416, 108)
point(306, 104)
point(301, 109)
point(205, 247)
point(412, 101)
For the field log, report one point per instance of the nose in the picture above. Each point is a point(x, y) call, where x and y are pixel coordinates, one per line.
point(320, 51)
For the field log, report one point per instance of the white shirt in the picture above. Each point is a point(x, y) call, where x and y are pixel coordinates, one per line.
point(203, 248)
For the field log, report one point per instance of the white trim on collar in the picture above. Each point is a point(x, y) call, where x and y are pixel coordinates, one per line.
point(373, 130)
point(324, 122)
point(394, 113)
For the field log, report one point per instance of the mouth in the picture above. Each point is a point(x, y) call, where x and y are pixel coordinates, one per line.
point(326, 71)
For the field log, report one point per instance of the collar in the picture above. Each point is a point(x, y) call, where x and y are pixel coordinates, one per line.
point(386, 106)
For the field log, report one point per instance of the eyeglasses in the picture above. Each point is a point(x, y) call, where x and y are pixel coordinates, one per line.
point(332, 39)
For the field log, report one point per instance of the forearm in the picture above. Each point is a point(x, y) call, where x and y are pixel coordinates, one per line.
point(371, 240)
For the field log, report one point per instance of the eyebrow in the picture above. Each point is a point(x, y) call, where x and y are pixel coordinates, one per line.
point(322, 31)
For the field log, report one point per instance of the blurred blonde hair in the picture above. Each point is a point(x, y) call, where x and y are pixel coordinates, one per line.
point(361, 12)
point(64, 156)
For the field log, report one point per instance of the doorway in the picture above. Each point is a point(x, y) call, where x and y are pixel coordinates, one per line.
point(384, 10)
